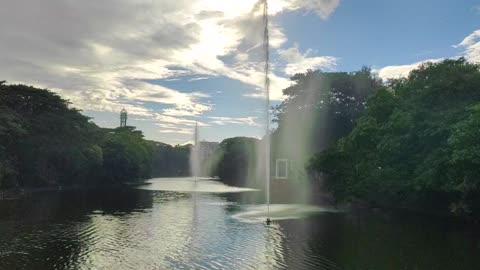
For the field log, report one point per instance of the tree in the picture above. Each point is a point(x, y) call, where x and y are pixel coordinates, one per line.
point(416, 143)
point(236, 160)
point(337, 99)
point(44, 142)
point(126, 155)
point(320, 108)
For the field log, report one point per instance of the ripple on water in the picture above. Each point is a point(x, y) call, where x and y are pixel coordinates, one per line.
point(177, 231)
point(259, 213)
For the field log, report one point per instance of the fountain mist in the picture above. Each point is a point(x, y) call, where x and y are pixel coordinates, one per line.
point(195, 155)
point(293, 141)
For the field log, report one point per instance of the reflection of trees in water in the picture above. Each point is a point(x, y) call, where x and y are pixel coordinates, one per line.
point(74, 204)
point(377, 240)
point(308, 243)
point(407, 241)
point(52, 230)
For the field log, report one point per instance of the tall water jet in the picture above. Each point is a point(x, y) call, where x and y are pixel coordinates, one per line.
point(266, 47)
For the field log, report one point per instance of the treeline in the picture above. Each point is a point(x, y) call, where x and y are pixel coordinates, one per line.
point(44, 142)
point(169, 161)
point(416, 145)
point(320, 107)
point(235, 161)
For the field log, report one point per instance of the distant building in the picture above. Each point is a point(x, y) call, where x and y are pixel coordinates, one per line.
point(206, 152)
point(207, 149)
point(123, 118)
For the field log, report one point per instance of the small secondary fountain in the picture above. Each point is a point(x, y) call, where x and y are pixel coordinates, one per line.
point(195, 155)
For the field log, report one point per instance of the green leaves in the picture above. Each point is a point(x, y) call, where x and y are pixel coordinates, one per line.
point(332, 101)
point(126, 155)
point(418, 141)
point(464, 144)
point(44, 142)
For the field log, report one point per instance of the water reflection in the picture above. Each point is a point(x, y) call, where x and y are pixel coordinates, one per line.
point(260, 212)
point(158, 229)
point(191, 185)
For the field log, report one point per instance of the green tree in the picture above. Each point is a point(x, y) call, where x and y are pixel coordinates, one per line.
point(320, 108)
point(126, 155)
point(236, 160)
point(44, 142)
point(334, 99)
point(415, 144)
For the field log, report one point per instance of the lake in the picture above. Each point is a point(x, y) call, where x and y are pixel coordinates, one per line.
point(183, 224)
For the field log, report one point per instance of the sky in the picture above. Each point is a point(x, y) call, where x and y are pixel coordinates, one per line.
point(171, 64)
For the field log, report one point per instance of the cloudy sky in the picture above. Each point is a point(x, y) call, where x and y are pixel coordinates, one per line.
point(171, 63)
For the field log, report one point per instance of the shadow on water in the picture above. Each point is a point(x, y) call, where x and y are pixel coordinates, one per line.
point(159, 229)
point(49, 230)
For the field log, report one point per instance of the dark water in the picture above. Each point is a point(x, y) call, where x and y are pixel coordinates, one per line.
point(155, 229)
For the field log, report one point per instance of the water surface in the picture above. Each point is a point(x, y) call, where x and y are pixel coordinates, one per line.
point(156, 228)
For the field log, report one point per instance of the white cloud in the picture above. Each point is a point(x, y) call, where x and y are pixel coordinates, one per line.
point(198, 79)
point(399, 71)
point(299, 63)
point(176, 131)
point(471, 45)
point(323, 8)
point(471, 51)
point(99, 54)
point(220, 120)
point(177, 121)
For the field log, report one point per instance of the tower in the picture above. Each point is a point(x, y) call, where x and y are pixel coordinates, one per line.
point(123, 118)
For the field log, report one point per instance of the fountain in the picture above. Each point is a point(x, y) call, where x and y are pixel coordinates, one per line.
point(291, 183)
point(266, 47)
point(259, 171)
point(195, 155)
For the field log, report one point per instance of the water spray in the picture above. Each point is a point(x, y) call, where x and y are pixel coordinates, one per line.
point(266, 47)
point(196, 154)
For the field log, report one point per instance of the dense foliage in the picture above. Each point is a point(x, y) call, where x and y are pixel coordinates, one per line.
point(328, 104)
point(320, 107)
point(416, 145)
point(44, 142)
point(170, 160)
point(126, 155)
point(235, 160)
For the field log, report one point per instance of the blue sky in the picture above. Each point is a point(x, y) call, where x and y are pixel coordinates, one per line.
point(380, 33)
point(172, 63)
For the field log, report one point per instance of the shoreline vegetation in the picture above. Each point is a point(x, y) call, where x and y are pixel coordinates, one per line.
point(416, 145)
point(407, 143)
point(44, 143)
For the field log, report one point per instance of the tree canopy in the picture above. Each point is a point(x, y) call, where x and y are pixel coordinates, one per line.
point(44, 142)
point(417, 144)
point(329, 102)
point(235, 160)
